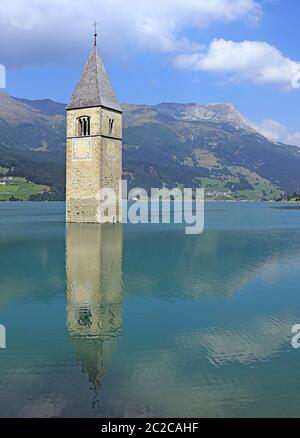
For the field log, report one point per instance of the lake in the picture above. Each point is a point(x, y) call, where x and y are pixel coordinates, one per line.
point(145, 321)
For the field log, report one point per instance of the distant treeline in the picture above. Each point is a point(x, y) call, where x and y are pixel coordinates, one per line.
point(290, 198)
point(47, 172)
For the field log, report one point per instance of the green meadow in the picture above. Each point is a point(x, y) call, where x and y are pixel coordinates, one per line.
point(20, 188)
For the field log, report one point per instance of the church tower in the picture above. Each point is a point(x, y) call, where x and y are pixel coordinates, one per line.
point(94, 143)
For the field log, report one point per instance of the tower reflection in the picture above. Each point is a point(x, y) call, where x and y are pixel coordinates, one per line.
point(94, 294)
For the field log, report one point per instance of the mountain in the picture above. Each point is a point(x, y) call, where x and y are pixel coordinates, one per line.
point(33, 126)
point(169, 144)
point(32, 141)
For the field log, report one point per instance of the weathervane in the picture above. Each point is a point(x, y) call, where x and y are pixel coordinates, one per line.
point(95, 34)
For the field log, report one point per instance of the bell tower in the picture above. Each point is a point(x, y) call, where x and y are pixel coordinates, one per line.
point(94, 144)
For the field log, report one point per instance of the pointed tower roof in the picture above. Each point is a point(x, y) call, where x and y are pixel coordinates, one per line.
point(94, 87)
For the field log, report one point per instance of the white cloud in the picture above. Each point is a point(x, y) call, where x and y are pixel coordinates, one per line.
point(37, 31)
point(253, 61)
point(278, 132)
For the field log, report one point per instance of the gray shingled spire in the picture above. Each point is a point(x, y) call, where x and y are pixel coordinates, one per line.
point(94, 87)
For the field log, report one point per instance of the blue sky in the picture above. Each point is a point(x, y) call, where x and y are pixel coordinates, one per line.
point(245, 52)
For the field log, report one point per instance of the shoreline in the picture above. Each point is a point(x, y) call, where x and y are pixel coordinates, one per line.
point(231, 201)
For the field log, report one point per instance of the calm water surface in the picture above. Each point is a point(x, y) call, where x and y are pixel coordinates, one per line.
point(145, 321)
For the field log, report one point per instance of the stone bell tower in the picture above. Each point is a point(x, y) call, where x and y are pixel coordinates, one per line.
point(94, 143)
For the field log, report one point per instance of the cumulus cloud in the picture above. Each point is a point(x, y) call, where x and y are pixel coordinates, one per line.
point(255, 61)
point(56, 30)
point(278, 132)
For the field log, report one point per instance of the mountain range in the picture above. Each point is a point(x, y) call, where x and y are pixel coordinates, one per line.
point(169, 144)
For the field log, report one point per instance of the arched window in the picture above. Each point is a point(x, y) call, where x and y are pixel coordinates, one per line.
point(84, 126)
point(111, 126)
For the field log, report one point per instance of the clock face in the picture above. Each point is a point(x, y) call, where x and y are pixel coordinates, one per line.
point(81, 149)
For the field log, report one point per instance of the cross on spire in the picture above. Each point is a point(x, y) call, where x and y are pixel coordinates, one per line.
point(95, 34)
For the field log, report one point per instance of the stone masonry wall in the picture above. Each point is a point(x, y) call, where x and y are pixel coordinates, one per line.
point(101, 169)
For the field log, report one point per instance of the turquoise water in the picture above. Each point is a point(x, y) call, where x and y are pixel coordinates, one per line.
point(145, 321)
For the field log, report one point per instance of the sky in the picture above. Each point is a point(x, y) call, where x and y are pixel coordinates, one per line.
point(244, 52)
